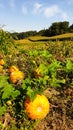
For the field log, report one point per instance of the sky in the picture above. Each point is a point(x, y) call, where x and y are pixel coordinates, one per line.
point(27, 15)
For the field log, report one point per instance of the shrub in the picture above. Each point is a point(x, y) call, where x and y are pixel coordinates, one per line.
point(6, 42)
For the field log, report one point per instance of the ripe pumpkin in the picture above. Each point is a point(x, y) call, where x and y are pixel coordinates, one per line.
point(2, 62)
point(16, 76)
point(38, 108)
point(13, 68)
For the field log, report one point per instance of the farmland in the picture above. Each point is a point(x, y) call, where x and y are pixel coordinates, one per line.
point(53, 38)
point(54, 79)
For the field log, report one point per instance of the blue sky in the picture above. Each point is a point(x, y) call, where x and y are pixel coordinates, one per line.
point(25, 15)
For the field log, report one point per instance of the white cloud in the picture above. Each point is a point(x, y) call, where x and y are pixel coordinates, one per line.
point(37, 7)
point(24, 9)
point(51, 11)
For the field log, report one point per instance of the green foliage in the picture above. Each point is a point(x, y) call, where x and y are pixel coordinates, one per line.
point(2, 110)
point(23, 35)
point(56, 28)
point(6, 42)
point(7, 92)
point(56, 73)
point(69, 66)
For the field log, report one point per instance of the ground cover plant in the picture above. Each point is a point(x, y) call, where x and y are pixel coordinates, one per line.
point(43, 68)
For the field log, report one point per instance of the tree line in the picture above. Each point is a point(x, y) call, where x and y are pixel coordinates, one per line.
point(56, 28)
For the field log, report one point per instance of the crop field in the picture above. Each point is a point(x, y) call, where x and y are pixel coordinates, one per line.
point(67, 36)
point(36, 84)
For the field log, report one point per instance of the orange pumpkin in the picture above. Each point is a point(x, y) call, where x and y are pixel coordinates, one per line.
point(16, 76)
point(38, 108)
point(13, 68)
point(2, 62)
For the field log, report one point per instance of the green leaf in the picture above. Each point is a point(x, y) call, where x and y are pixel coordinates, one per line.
point(43, 69)
point(27, 81)
point(54, 82)
point(54, 66)
point(7, 91)
point(30, 93)
point(15, 94)
point(46, 54)
point(69, 66)
point(24, 85)
point(3, 81)
point(2, 110)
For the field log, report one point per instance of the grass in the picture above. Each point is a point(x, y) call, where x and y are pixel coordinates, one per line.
point(58, 37)
point(37, 39)
point(26, 41)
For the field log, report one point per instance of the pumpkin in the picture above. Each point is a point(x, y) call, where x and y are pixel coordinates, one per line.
point(38, 108)
point(13, 68)
point(16, 76)
point(2, 62)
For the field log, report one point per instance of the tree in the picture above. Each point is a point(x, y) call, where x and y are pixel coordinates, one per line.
point(64, 26)
point(57, 28)
point(71, 28)
point(54, 29)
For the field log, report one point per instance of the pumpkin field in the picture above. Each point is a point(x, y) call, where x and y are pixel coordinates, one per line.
point(36, 83)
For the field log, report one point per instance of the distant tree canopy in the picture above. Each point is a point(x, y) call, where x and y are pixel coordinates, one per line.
point(23, 35)
point(56, 28)
point(71, 28)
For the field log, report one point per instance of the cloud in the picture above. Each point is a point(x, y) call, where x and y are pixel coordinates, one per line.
point(12, 3)
point(37, 7)
point(24, 9)
point(51, 11)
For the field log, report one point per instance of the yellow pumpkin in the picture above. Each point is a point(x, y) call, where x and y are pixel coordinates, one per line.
point(38, 108)
point(13, 68)
point(16, 76)
point(2, 62)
